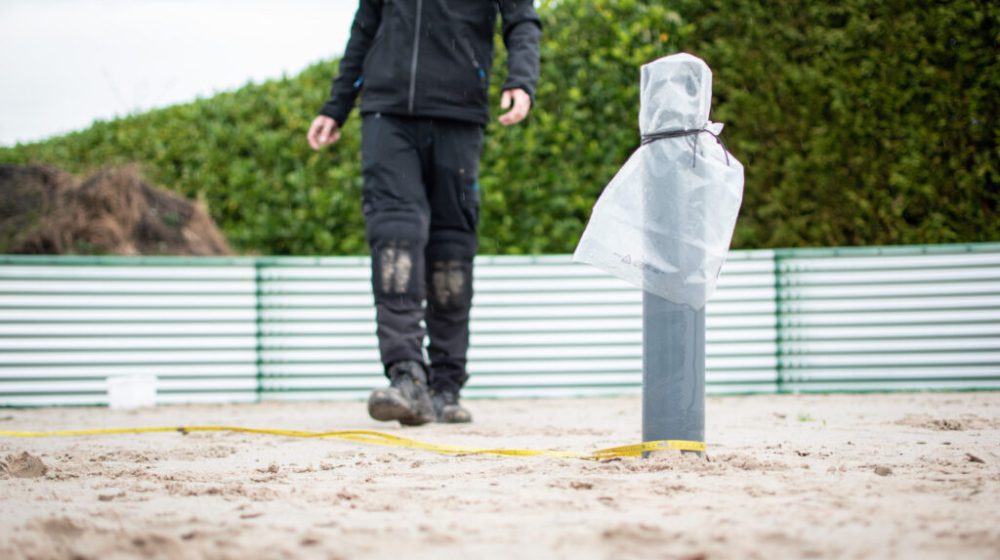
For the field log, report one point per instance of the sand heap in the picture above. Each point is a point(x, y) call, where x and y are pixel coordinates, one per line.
point(24, 465)
point(46, 211)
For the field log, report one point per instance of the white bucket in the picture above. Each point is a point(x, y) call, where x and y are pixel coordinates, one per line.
point(131, 391)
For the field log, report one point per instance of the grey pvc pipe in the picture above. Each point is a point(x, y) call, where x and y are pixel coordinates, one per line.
point(673, 370)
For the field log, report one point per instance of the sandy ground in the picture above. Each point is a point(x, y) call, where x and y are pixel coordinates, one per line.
point(892, 476)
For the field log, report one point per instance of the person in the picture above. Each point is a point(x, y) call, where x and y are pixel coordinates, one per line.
point(422, 69)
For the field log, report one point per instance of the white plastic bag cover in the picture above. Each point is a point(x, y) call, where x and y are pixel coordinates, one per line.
point(665, 221)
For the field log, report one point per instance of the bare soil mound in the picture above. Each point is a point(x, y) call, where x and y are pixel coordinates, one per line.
point(46, 211)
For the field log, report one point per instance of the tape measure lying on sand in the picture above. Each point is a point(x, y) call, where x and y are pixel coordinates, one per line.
point(381, 438)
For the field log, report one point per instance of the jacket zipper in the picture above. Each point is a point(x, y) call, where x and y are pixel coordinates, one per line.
point(416, 51)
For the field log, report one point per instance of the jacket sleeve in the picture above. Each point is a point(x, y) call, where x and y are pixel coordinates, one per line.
point(522, 31)
point(347, 83)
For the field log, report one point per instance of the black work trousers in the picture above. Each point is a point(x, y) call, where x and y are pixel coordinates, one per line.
point(421, 207)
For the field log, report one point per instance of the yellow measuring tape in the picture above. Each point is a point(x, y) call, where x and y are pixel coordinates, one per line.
point(381, 438)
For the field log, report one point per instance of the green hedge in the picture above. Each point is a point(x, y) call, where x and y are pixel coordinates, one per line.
point(862, 122)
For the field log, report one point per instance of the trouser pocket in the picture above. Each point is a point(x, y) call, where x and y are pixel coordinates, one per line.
point(455, 194)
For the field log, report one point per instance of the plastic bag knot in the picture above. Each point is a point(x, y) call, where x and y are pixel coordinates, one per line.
point(664, 134)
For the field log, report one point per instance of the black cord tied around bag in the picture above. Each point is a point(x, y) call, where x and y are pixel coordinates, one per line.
point(654, 136)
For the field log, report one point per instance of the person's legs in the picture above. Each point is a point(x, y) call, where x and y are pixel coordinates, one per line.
point(397, 218)
point(454, 201)
point(449, 278)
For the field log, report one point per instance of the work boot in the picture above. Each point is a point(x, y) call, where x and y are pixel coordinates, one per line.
point(447, 408)
point(406, 398)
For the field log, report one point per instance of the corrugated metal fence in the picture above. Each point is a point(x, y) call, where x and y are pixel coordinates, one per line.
point(244, 329)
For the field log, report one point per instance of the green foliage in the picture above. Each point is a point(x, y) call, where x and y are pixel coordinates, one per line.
point(540, 179)
point(860, 122)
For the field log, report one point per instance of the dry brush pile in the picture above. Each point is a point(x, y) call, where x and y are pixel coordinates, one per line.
point(115, 211)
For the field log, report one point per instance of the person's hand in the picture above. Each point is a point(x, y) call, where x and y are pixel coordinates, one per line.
point(323, 132)
point(519, 103)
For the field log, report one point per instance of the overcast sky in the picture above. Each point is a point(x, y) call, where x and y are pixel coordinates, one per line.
point(64, 63)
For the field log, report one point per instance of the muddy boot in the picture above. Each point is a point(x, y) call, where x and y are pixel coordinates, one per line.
point(406, 398)
point(448, 410)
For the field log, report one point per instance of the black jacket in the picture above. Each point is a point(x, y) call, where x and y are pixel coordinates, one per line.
point(432, 58)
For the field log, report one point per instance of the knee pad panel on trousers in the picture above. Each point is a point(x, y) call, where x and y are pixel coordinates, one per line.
point(449, 269)
point(450, 285)
point(396, 271)
point(397, 240)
